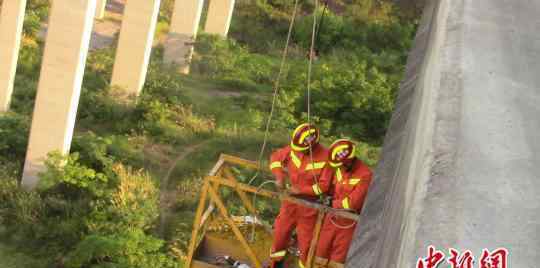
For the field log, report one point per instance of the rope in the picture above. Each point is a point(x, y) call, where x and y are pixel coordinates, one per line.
point(314, 34)
point(310, 66)
point(269, 120)
point(341, 226)
point(321, 22)
point(259, 188)
point(310, 70)
point(276, 91)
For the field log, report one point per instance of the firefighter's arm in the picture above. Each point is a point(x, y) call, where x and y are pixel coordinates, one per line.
point(312, 190)
point(321, 186)
point(326, 179)
point(278, 161)
point(356, 198)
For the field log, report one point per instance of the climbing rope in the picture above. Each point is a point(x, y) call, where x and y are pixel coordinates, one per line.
point(259, 188)
point(314, 36)
point(269, 120)
point(310, 70)
point(276, 91)
point(341, 226)
point(321, 23)
point(316, 28)
point(310, 65)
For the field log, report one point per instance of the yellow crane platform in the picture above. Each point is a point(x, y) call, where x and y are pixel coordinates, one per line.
point(206, 245)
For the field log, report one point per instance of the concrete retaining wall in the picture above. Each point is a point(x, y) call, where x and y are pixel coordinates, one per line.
point(387, 226)
point(461, 160)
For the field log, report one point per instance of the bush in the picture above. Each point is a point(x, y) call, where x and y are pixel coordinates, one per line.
point(71, 178)
point(118, 226)
point(86, 218)
point(125, 249)
point(232, 64)
point(98, 71)
point(92, 210)
point(36, 13)
point(348, 98)
point(164, 84)
point(339, 32)
point(14, 130)
point(132, 203)
point(171, 124)
point(27, 77)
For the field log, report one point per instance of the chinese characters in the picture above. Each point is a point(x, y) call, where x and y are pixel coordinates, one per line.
point(489, 259)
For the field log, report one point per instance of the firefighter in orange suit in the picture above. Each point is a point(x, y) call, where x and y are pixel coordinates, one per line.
point(351, 179)
point(301, 163)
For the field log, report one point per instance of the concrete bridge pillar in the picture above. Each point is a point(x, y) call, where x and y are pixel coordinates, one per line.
point(135, 44)
point(183, 31)
point(100, 9)
point(11, 23)
point(219, 17)
point(66, 48)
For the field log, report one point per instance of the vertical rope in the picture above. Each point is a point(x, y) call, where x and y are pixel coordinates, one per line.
point(310, 65)
point(310, 70)
point(276, 90)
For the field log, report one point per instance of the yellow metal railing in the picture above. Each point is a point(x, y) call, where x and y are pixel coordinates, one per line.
point(221, 176)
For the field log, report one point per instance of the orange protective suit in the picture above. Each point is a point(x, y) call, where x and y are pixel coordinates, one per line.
point(349, 187)
point(304, 175)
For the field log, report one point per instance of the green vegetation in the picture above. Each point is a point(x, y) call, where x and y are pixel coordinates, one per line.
point(99, 206)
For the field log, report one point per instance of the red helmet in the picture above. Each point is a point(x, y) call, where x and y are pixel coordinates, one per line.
point(340, 152)
point(304, 136)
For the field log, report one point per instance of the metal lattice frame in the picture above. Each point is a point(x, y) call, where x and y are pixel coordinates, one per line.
point(220, 175)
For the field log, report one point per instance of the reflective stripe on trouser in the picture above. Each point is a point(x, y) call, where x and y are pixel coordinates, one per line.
point(334, 242)
point(291, 217)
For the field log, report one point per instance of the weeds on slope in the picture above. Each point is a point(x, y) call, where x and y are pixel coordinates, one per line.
point(122, 148)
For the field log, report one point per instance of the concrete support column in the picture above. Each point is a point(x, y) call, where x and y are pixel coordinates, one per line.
point(183, 31)
point(100, 9)
point(59, 88)
point(11, 24)
point(135, 44)
point(219, 17)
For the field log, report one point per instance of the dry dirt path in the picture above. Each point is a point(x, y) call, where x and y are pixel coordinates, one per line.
point(105, 30)
point(168, 195)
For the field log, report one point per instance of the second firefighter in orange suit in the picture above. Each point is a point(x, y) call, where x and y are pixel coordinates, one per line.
point(351, 179)
point(302, 163)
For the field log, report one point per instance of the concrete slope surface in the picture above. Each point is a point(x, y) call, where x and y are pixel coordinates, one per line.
point(461, 167)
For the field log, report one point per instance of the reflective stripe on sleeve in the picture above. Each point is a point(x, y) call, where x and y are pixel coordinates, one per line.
point(276, 164)
point(354, 181)
point(296, 161)
point(339, 177)
point(316, 165)
point(278, 254)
